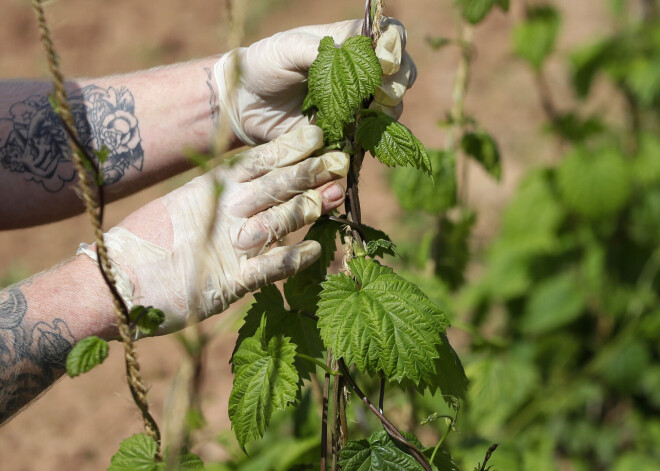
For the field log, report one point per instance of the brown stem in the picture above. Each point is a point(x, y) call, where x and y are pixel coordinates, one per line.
point(387, 425)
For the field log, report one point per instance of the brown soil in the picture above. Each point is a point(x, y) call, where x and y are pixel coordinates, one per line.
point(78, 424)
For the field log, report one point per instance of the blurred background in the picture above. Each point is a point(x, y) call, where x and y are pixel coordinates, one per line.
point(539, 238)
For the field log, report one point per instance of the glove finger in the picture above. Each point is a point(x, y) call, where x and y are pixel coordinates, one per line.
point(282, 184)
point(283, 151)
point(390, 45)
point(393, 87)
point(277, 264)
point(391, 111)
point(268, 226)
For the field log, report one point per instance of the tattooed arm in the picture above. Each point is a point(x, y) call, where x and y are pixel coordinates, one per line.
point(40, 321)
point(146, 121)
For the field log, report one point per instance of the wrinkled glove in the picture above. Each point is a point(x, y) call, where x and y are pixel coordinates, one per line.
point(266, 194)
point(268, 98)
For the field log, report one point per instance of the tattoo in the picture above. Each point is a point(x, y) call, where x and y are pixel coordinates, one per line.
point(33, 142)
point(213, 101)
point(31, 357)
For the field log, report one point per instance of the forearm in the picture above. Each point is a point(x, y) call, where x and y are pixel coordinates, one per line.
point(147, 121)
point(40, 321)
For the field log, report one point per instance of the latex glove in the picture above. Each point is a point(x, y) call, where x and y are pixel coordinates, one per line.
point(273, 83)
point(268, 193)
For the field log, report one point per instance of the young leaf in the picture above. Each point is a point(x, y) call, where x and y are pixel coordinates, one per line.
point(340, 79)
point(380, 322)
point(148, 318)
point(265, 382)
point(378, 453)
point(534, 39)
point(85, 355)
point(379, 244)
point(391, 142)
point(416, 191)
point(281, 322)
point(136, 453)
point(476, 10)
point(482, 147)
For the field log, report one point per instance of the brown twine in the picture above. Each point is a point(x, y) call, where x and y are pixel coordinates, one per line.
point(378, 18)
point(95, 211)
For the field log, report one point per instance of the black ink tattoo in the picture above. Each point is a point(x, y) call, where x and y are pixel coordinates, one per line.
point(33, 142)
point(213, 101)
point(31, 357)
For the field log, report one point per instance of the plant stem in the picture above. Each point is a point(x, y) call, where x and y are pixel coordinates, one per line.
point(324, 414)
point(490, 451)
point(318, 363)
point(444, 436)
point(387, 425)
point(381, 398)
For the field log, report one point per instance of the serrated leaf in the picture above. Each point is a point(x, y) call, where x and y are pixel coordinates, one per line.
point(340, 79)
point(302, 289)
point(416, 191)
point(595, 184)
point(482, 147)
point(85, 355)
point(380, 247)
point(534, 38)
point(299, 328)
point(476, 10)
point(391, 142)
point(378, 453)
point(136, 453)
point(381, 322)
point(265, 382)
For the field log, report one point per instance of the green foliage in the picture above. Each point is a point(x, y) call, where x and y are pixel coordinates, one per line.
point(265, 381)
point(138, 452)
point(85, 355)
point(594, 184)
point(378, 453)
point(380, 322)
point(390, 141)
point(147, 319)
point(534, 39)
point(476, 10)
point(482, 147)
point(416, 191)
point(340, 79)
point(299, 328)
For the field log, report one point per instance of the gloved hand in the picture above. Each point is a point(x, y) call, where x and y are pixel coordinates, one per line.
point(268, 97)
point(269, 192)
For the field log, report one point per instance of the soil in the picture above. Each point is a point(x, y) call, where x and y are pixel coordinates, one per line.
point(78, 424)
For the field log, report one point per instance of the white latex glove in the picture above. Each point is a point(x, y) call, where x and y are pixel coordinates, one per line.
point(268, 193)
point(273, 83)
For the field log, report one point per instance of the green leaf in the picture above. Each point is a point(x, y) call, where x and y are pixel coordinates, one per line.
point(379, 244)
point(381, 322)
point(482, 147)
point(499, 385)
point(136, 453)
point(554, 303)
point(85, 355)
point(378, 453)
point(595, 184)
point(147, 318)
point(534, 39)
point(588, 62)
point(340, 79)
point(301, 329)
point(391, 142)
point(416, 191)
point(437, 42)
point(265, 382)
point(476, 10)
point(302, 290)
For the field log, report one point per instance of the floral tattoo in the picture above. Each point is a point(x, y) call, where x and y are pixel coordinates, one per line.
point(32, 141)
